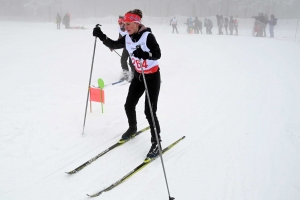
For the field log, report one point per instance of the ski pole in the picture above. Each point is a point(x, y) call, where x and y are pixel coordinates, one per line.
point(117, 52)
point(119, 55)
point(296, 29)
point(154, 125)
point(87, 98)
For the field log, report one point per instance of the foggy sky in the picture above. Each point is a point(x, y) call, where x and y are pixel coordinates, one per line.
point(45, 10)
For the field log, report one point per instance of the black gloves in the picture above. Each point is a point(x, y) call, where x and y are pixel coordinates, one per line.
point(139, 53)
point(97, 32)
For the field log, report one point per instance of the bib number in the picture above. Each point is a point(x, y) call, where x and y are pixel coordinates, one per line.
point(136, 63)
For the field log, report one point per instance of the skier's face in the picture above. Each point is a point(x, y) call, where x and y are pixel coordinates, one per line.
point(131, 27)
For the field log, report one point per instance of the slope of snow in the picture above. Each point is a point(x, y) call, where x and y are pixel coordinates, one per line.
point(236, 99)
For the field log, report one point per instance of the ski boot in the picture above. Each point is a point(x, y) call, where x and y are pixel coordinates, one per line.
point(130, 133)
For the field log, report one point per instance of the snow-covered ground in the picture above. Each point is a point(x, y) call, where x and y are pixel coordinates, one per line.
point(236, 99)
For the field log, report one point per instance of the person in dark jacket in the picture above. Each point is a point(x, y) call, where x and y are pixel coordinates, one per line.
point(198, 26)
point(142, 47)
point(208, 25)
point(58, 20)
point(66, 20)
point(272, 23)
point(259, 25)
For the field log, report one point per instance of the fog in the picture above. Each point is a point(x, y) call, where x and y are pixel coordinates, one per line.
point(46, 10)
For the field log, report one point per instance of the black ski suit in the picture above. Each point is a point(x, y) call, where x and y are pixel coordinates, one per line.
point(137, 88)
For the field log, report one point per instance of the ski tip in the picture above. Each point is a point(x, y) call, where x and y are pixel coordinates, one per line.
point(94, 195)
point(90, 196)
point(183, 137)
point(71, 172)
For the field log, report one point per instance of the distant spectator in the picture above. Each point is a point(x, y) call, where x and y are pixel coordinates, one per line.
point(265, 23)
point(173, 22)
point(226, 22)
point(198, 26)
point(58, 20)
point(190, 25)
point(231, 25)
point(236, 25)
point(272, 23)
point(220, 24)
point(208, 25)
point(66, 20)
point(218, 19)
point(259, 25)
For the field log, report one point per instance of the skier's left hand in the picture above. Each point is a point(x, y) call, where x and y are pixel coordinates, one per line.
point(139, 53)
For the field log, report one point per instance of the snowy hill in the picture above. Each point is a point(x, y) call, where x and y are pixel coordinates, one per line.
point(236, 99)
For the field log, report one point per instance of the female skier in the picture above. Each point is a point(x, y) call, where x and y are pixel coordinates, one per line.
point(141, 45)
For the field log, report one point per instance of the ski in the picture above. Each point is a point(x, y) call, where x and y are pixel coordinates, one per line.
point(119, 143)
point(134, 171)
point(113, 83)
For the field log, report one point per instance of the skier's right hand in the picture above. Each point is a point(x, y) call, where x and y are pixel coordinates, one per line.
point(97, 32)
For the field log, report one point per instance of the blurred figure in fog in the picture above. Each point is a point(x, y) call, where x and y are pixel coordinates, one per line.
point(226, 24)
point(221, 24)
point(231, 25)
point(259, 25)
point(265, 23)
point(208, 25)
point(272, 23)
point(173, 22)
point(190, 25)
point(66, 20)
point(198, 26)
point(58, 20)
point(236, 25)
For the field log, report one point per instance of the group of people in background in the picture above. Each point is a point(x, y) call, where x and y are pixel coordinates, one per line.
point(230, 25)
point(260, 25)
point(194, 26)
point(65, 21)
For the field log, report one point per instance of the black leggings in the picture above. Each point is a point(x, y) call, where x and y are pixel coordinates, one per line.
point(136, 90)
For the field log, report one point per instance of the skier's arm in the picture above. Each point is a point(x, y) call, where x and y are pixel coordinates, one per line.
point(118, 44)
point(112, 44)
point(152, 44)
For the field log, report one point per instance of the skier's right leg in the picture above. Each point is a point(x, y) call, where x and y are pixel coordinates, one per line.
point(136, 90)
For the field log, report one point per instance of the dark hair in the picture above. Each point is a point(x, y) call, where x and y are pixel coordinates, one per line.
point(137, 12)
